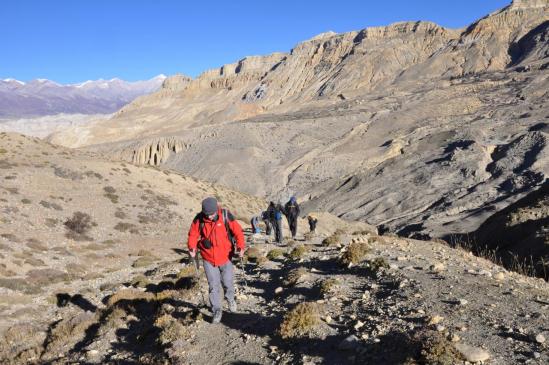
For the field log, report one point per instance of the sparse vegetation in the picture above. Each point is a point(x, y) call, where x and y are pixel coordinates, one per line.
point(275, 254)
point(332, 240)
point(252, 254)
point(435, 348)
point(126, 227)
point(300, 321)
point(78, 226)
point(327, 286)
point(144, 261)
point(294, 276)
point(298, 252)
point(356, 252)
point(377, 264)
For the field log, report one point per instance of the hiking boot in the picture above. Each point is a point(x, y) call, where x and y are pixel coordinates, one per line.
point(232, 306)
point(216, 316)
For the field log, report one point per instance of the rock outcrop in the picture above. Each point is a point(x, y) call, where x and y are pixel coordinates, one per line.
point(152, 152)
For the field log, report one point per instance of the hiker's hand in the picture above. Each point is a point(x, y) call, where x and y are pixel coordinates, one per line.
point(192, 253)
point(241, 253)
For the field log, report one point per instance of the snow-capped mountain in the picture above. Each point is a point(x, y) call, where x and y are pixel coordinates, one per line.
point(44, 97)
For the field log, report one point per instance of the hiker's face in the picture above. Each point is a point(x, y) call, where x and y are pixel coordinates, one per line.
point(212, 216)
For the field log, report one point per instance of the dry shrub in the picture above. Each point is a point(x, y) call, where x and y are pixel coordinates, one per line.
point(356, 252)
point(49, 205)
point(35, 244)
point(120, 214)
point(10, 237)
point(140, 281)
point(109, 190)
point(332, 240)
point(21, 344)
point(51, 222)
point(112, 197)
point(21, 285)
point(434, 348)
point(274, 254)
point(32, 261)
point(144, 252)
point(124, 227)
point(68, 332)
point(377, 264)
point(144, 261)
point(186, 272)
point(361, 233)
point(78, 226)
point(327, 286)
point(44, 277)
point(294, 276)
point(298, 252)
point(300, 321)
point(170, 330)
point(124, 295)
point(252, 254)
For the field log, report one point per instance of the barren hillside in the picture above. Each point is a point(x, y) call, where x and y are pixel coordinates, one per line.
point(422, 130)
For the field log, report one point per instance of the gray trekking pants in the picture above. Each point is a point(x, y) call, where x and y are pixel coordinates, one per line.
point(217, 276)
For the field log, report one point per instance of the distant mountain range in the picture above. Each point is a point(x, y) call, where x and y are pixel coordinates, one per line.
point(42, 97)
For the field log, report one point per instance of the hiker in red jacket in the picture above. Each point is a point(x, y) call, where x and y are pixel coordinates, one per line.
point(211, 232)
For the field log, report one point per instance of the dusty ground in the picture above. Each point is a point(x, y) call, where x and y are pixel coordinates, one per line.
point(383, 308)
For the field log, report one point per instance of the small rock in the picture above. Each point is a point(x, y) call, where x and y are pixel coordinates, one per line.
point(437, 267)
point(472, 353)
point(485, 273)
point(454, 338)
point(401, 258)
point(273, 349)
point(537, 355)
point(436, 319)
point(462, 301)
point(440, 328)
point(359, 324)
point(279, 290)
point(349, 343)
point(499, 276)
point(328, 319)
point(539, 338)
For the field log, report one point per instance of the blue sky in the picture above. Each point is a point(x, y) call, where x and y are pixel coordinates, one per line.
point(72, 41)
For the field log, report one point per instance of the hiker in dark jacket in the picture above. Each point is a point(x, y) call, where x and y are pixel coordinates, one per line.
point(312, 223)
point(267, 221)
point(209, 235)
point(274, 211)
point(291, 210)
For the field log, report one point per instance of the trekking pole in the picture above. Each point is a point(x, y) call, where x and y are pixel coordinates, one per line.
point(197, 275)
point(243, 272)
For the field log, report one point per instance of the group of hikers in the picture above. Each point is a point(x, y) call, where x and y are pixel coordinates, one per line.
point(217, 235)
point(272, 217)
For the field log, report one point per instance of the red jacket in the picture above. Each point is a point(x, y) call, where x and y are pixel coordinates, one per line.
point(216, 232)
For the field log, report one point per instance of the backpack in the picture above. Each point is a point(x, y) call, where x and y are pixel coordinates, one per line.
point(278, 215)
point(230, 236)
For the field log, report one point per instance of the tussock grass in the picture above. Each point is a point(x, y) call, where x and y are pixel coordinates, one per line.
point(327, 286)
point(298, 252)
point(300, 321)
point(356, 252)
point(332, 240)
point(274, 254)
point(294, 276)
point(377, 264)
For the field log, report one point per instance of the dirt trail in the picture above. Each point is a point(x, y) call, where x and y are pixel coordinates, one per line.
point(373, 312)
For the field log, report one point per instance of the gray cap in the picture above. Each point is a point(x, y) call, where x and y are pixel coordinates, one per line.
point(209, 206)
